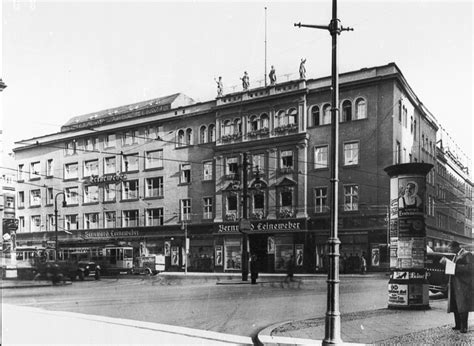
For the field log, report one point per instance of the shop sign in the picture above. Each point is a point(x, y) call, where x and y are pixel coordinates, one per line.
point(397, 294)
point(263, 226)
point(110, 234)
point(105, 179)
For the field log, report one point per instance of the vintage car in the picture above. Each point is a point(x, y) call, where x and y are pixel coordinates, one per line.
point(437, 279)
point(88, 269)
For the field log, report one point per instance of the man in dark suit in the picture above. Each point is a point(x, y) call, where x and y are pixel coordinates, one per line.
point(461, 294)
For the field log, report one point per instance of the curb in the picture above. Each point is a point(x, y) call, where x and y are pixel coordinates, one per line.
point(158, 327)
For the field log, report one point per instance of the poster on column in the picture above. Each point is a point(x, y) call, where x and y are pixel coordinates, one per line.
point(167, 248)
point(410, 196)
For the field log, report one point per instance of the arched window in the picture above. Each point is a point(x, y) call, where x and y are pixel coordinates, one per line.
point(212, 133)
point(237, 126)
point(346, 110)
point(180, 138)
point(280, 118)
point(361, 109)
point(189, 137)
point(253, 123)
point(227, 130)
point(202, 134)
point(326, 114)
point(264, 121)
point(315, 116)
point(292, 116)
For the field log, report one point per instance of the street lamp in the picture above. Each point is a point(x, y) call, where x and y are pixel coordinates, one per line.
point(56, 218)
point(184, 227)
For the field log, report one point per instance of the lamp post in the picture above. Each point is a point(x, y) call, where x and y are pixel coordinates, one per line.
point(184, 227)
point(333, 318)
point(56, 219)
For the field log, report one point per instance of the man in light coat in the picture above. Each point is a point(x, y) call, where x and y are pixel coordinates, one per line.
point(461, 286)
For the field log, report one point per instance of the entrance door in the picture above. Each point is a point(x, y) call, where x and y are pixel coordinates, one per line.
point(258, 247)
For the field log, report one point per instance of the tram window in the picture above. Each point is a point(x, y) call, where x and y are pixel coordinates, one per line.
point(128, 253)
point(20, 256)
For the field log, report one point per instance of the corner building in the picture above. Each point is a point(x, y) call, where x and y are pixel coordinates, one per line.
point(146, 174)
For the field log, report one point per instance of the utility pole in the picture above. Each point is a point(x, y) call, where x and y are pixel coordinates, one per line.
point(244, 224)
point(265, 76)
point(333, 317)
point(56, 220)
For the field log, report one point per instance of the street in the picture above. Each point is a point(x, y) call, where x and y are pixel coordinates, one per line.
point(234, 308)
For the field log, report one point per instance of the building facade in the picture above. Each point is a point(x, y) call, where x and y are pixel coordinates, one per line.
point(145, 175)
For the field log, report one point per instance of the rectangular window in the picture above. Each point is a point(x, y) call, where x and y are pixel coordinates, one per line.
point(91, 168)
point(207, 204)
point(185, 176)
point(286, 199)
point(232, 167)
point(35, 170)
point(20, 172)
point(71, 222)
point(49, 168)
point(35, 224)
point(21, 199)
point(154, 159)
point(35, 198)
point(258, 162)
point(90, 144)
point(130, 137)
point(109, 219)
point(109, 140)
point(109, 165)
point(153, 132)
point(91, 221)
point(72, 195)
point(71, 147)
point(91, 194)
point(21, 224)
point(130, 189)
point(321, 157)
point(154, 187)
point(207, 170)
point(286, 159)
point(9, 202)
point(130, 162)
point(154, 217)
point(397, 153)
point(259, 204)
point(351, 197)
point(71, 171)
point(49, 196)
point(351, 153)
point(130, 218)
point(50, 223)
point(185, 209)
point(231, 208)
point(320, 199)
point(110, 192)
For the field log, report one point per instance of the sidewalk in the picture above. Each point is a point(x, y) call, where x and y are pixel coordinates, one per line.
point(379, 327)
point(66, 328)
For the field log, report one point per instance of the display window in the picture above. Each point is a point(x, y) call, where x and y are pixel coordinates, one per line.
point(284, 249)
point(233, 254)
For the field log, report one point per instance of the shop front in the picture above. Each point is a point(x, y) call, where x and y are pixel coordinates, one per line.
point(273, 242)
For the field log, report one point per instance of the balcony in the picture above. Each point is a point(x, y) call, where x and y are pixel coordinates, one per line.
point(260, 132)
point(231, 137)
point(286, 213)
point(285, 129)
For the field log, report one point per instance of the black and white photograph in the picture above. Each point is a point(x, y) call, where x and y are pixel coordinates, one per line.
point(236, 172)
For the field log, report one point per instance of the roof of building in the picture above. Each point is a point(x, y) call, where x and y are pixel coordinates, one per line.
point(128, 111)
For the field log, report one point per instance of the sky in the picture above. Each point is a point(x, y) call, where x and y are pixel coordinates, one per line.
point(64, 58)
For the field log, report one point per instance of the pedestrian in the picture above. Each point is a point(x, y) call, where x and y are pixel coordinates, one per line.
point(253, 269)
point(290, 271)
point(461, 286)
point(363, 263)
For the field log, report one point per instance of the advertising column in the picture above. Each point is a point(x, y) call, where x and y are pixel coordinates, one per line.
point(408, 285)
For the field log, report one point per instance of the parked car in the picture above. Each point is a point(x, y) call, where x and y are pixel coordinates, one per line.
point(89, 268)
point(437, 279)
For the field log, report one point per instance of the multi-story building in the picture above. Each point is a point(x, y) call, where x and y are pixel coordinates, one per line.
point(145, 174)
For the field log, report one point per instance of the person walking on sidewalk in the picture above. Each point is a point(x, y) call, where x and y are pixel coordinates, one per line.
point(253, 269)
point(363, 264)
point(290, 271)
point(460, 292)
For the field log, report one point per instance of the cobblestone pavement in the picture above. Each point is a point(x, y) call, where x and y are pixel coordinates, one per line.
point(443, 335)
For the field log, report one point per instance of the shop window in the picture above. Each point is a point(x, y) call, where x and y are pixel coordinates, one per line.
point(233, 255)
point(283, 253)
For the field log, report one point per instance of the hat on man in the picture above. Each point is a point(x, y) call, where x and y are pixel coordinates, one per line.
point(454, 245)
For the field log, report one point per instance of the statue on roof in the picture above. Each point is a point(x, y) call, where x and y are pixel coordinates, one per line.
point(272, 76)
point(302, 69)
point(220, 86)
point(245, 81)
